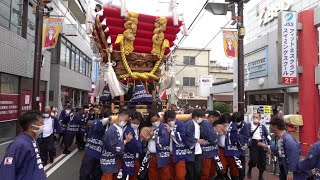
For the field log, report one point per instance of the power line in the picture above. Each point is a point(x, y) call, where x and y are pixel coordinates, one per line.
point(189, 28)
point(205, 46)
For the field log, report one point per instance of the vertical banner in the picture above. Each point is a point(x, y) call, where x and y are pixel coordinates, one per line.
point(288, 50)
point(230, 43)
point(205, 84)
point(50, 32)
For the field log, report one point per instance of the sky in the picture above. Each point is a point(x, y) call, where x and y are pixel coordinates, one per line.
point(206, 27)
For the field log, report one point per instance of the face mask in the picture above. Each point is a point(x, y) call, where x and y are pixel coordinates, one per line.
point(171, 123)
point(122, 124)
point(67, 111)
point(39, 131)
point(238, 123)
point(199, 120)
point(156, 124)
point(256, 120)
point(135, 126)
point(45, 115)
point(53, 114)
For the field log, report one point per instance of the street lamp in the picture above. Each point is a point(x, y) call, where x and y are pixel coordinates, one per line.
point(221, 9)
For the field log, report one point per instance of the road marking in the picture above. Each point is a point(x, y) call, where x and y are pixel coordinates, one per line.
point(54, 168)
point(6, 143)
point(54, 161)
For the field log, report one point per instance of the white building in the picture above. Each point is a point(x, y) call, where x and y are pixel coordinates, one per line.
point(190, 64)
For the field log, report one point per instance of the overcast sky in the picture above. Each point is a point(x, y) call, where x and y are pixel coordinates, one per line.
point(205, 28)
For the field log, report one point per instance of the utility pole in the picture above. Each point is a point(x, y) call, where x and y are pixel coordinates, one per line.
point(37, 55)
point(241, 34)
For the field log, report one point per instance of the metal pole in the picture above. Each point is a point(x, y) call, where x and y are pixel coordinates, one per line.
point(37, 56)
point(241, 34)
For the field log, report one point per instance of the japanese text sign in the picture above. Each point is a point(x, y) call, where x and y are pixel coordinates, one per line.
point(288, 35)
point(9, 107)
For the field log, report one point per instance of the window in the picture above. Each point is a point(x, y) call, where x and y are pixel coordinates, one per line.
point(63, 50)
point(9, 84)
point(68, 58)
point(189, 60)
point(90, 69)
point(87, 68)
point(81, 64)
point(4, 14)
point(7, 130)
point(77, 64)
point(221, 79)
point(31, 24)
point(73, 59)
point(189, 81)
point(16, 12)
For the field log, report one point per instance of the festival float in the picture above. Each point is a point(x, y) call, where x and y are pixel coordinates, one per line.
point(135, 49)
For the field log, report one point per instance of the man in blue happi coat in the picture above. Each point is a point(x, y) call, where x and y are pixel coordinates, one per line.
point(177, 131)
point(113, 146)
point(194, 142)
point(210, 148)
point(287, 150)
point(90, 168)
point(132, 149)
point(22, 159)
point(312, 160)
point(244, 134)
point(158, 146)
point(72, 123)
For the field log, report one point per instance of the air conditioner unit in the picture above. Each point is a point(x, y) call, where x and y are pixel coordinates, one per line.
point(191, 95)
point(70, 29)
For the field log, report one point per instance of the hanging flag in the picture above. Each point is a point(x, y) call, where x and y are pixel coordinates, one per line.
point(50, 32)
point(230, 43)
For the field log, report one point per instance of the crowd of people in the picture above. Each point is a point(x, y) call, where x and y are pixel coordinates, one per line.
point(132, 146)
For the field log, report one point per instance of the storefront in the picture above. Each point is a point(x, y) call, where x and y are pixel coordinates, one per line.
point(15, 99)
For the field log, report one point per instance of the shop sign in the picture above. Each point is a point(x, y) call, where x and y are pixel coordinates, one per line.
point(271, 11)
point(9, 107)
point(26, 101)
point(205, 84)
point(288, 50)
point(256, 64)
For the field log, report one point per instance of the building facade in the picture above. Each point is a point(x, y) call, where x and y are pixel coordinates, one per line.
point(263, 62)
point(65, 71)
point(190, 64)
point(261, 57)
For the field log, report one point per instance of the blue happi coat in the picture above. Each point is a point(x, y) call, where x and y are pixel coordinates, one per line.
point(312, 160)
point(244, 135)
point(162, 139)
point(231, 141)
point(94, 139)
point(64, 113)
point(190, 140)
point(289, 154)
point(210, 148)
point(112, 151)
point(178, 135)
point(130, 150)
point(266, 139)
point(22, 160)
point(72, 123)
